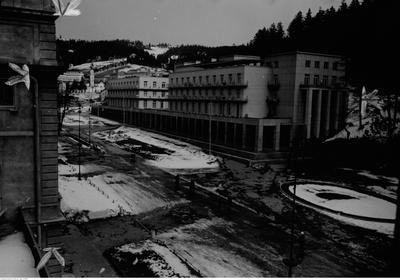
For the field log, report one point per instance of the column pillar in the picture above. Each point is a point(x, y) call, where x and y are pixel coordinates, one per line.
point(337, 110)
point(226, 134)
point(277, 144)
point(328, 113)
point(319, 110)
point(309, 112)
point(235, 135)
point(259, 136)
point(244, 135)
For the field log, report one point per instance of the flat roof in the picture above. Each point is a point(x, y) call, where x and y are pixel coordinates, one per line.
point(306, 53)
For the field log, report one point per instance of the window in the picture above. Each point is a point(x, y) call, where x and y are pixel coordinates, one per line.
point(222, 78)
point(325, 80)
point(316, 80)
point(145, 104)
point(188, 80)
point(177, 81)
point(214, 79)
point(194, 80)
point(145, 94)
point(307, 79)
point(154, 94)
point(239, 77)
point(335, 66)
point(207, 79)
point(154, 84)
point(276, 79)
point(316, 64)
point(334, 80)
point(308, 63)
point(172, 81)
point(154, 104)
point(162, 105)
point(163, 84)
point(145, 83)
point(326, 65)
point(6, 95)
point(200, 79)
point(230, 78)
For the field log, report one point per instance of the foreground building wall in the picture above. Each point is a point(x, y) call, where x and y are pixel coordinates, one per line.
point(28, 137)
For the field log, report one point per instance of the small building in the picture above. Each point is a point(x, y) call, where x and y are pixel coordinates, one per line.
point(28, 118)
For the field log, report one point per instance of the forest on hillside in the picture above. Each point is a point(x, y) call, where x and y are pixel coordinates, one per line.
point(363, 31)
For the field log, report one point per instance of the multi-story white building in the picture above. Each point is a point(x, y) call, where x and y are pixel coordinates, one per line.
point(138, 92)
point(251, 106)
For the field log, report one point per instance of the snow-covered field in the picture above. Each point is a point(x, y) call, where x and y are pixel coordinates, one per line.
point(97, 64)
point(74, 120)
point(349, 202)
point(16, 258)
point(156, 51)
point(176, 156)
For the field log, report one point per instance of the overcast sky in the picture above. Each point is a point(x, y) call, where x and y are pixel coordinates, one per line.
point(206, 22)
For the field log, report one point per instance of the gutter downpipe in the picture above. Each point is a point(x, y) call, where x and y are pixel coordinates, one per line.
point(37, 160)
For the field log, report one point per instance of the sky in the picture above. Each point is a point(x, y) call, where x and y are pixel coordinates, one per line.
point(205, 22)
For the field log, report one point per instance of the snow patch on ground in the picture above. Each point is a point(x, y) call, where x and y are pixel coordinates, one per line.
point(209, 258)
point(168, 266)
point(357, 203)
point(16, 258)
point(180, 155)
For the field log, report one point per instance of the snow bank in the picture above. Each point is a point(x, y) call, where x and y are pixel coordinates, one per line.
point(178, 155)
point(16, 258)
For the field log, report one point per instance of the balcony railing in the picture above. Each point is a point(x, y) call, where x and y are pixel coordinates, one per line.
point(224, 84)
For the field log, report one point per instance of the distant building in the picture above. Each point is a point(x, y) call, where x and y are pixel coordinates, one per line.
point(28, 120)
point(138, 93)
point(252, 107)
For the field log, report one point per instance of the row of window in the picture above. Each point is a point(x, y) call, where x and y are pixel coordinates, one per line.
point(136, 94)
point(136, 83)
point(324, 82)
point(207, 79)
point(317, 64)
point(129, 103)
point(217, 109)
point(204, 92)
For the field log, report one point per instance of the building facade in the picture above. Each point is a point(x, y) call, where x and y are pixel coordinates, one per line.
point(138, 92)
point(251, 106)
point(310, 89)
point(28, 118)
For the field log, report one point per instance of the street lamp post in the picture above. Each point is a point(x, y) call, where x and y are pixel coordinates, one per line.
point(79, 144)
point(209, 129)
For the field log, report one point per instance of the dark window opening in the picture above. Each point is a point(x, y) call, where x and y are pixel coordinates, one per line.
point(6, 95)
